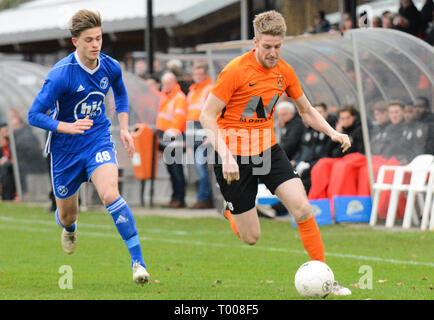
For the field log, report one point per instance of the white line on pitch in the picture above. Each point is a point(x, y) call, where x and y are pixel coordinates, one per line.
point(213, 244)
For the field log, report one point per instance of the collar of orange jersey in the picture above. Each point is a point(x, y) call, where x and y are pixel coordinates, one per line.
point(255, 62)
point(172, 92)
point(204, 83)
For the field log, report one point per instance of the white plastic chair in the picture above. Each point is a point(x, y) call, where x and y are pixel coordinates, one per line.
point(418, 167)
point(418, 185)
point(428, 200)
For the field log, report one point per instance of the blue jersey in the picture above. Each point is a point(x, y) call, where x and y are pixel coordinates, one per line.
point(72, 91)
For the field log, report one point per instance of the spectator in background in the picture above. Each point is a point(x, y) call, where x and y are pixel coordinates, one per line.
point(158, 69)
point(337, 175)
point(409, 11)
point(196, 98)
point(377, 133)
point(394, 151)
point(423, 114)
point(28, 148)
point(409, 114)
point(429, 33)
point(401, 23)
point(312, 149)
point(7, 182)
point(321, 24)
point(346, 22)
point(376, 22)
point(291, 131)
point(183, 78)
point(170, 123)
point(313, 146)
point(387, 20)
point(153, 82)
point(348, 123)
point(394, 132)
point(291, 128)
point(140, 68)
point(327, 113)
point(426, 17)
point(415, 133)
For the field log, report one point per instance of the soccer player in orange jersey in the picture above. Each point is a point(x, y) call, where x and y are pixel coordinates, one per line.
point(238, 118)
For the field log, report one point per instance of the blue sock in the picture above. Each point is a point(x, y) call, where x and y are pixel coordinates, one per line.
point(124, 221)
point(70, 228)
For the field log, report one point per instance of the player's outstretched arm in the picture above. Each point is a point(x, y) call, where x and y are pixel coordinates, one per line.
point(314, 119)
point(213, 106)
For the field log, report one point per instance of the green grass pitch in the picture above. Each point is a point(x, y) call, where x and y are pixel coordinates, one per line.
point(201, 259)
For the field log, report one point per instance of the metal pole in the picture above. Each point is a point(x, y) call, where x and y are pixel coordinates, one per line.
point(149, 37)
point(211, 68)
point(362, 106)
point(244, 20)
point(15, 161)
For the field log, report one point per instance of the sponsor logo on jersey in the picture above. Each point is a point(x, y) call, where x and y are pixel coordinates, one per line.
point(89, 106)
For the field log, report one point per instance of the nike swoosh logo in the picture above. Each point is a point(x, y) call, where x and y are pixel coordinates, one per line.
point(252, 84)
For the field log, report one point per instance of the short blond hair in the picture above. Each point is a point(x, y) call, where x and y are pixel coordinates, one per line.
point(83, 20)
point(269, 22)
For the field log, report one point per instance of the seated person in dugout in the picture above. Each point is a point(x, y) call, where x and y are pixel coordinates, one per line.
point(329, 176)
point(312, 149)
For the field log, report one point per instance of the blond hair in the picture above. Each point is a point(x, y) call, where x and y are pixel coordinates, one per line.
point(269, 22)
point(83, 20)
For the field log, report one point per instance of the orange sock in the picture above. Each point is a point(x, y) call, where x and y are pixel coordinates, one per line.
point(231, 219)
point(311, 239)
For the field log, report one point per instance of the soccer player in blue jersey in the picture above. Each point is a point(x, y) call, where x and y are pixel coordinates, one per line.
point(79, 138)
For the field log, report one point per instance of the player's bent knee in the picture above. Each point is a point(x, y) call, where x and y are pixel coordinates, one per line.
point(109, 196)
point(250, 238)
point(303, 211)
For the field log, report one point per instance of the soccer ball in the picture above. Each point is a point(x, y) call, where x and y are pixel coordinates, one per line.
point(314, 279)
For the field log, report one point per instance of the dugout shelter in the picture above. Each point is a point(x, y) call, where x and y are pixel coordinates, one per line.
point(361, 67)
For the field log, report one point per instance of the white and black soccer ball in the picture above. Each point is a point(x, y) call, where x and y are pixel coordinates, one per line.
point(314, 279)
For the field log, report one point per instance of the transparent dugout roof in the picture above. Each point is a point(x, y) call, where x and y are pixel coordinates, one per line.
point(394, 65)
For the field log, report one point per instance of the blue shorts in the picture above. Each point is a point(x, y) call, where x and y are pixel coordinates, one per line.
point(70, 170)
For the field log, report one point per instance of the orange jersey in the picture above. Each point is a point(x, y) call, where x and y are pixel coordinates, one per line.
point(196, 99)
point(172, 110)
point(250, 92)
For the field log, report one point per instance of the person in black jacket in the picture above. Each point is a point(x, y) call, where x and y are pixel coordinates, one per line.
point(423, 114)
point(313, 146)
point(338, 171)
point(292, 128)
point(348, 123)
point(311, 149)
point(409, 11)
point(7, 182)
point(376, 133)
point(415, 134)
point(291, 131)
point(395, 144)
point(28, 149)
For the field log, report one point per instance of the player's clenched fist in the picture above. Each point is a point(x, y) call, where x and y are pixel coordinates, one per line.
point(230, 170)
